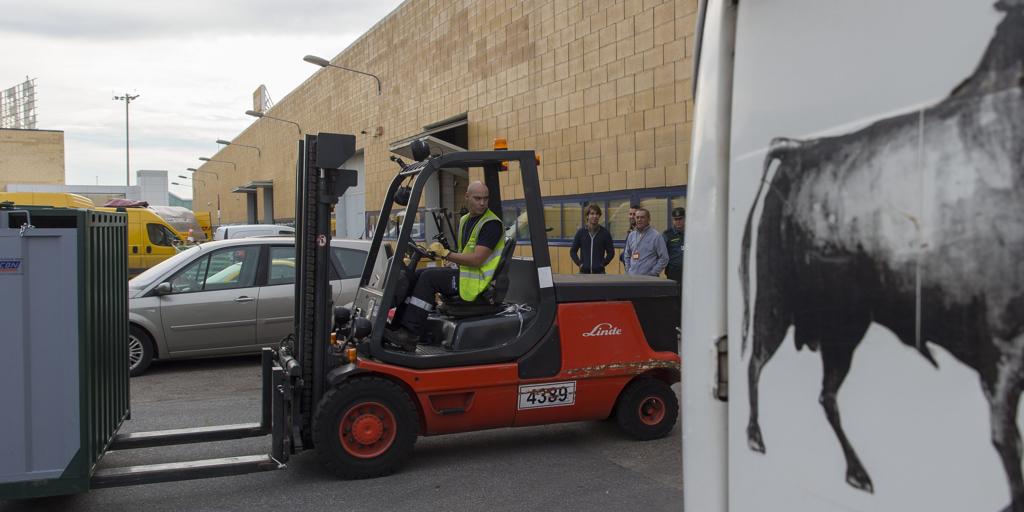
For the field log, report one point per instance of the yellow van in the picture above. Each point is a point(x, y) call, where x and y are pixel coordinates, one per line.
point(205, 223)
point(150, 239)
point(55, 199)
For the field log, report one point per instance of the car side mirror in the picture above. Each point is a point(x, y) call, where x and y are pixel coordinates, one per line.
point(163, 288)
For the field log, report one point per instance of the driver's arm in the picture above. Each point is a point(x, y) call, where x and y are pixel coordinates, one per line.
point(477, 258)
point(488, 239)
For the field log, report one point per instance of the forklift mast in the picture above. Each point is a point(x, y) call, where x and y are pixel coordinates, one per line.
point(320, 181)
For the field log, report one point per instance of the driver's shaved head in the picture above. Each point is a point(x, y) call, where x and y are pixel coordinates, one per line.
point(477, 197)
point(477, 186)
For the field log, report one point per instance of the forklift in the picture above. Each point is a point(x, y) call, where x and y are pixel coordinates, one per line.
point(535, 348)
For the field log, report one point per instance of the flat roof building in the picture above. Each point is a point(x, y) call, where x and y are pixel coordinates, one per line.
point(31, 156)
point(601, 89)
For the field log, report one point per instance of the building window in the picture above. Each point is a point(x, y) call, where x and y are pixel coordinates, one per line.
point(553, 219)
point(618, 217)
point(658, 206)
point(572, 218)
point(509, 216)
point(563, 215)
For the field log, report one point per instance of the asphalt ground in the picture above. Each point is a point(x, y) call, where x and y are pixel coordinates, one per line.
point(577, 466)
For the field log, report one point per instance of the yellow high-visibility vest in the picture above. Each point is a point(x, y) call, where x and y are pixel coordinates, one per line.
point(474, 280)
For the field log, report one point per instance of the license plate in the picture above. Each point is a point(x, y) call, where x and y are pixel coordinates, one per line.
point(555, 394)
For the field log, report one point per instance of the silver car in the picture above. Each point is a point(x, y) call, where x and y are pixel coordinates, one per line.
point(226, 297)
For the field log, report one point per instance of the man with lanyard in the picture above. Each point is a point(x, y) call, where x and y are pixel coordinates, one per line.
point(675, 240)
point(632, 225)
point(645, 252)
point(480, 241)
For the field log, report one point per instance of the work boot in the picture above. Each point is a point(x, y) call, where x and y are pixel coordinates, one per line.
point(402, 338)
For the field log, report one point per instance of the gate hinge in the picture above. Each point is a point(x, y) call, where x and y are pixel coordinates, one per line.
point(722, 380)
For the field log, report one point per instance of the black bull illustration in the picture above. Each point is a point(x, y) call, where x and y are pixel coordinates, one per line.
point(916, 223)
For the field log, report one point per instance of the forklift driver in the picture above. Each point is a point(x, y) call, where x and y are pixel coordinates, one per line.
point(480, 241)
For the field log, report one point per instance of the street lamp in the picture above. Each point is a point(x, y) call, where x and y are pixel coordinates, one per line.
point(190, 178)
point(127, 98)
point(261, 115)
point(193, 169)
point(215, 175)
point(229, 143)
point(324, 63)
point(233, 166)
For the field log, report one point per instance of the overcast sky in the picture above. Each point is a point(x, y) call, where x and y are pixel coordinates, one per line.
point(194, 65)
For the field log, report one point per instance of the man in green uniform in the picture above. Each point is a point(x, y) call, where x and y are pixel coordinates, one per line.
point(675, 239)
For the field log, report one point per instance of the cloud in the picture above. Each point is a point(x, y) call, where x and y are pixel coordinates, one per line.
point(194, 67)
point(115, 20)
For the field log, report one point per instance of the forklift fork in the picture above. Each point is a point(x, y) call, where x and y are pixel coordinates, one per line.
point(276, 399)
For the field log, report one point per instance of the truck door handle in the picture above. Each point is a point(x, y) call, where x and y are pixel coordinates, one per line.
point(135, 249)
point(149, 249)
point(244, 298)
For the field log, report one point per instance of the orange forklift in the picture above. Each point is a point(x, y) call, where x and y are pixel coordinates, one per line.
point(535, 348)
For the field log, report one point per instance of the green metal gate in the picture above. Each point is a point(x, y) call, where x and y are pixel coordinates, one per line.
point(64, 283)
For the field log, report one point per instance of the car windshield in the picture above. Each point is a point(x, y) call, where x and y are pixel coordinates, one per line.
point(153, 273)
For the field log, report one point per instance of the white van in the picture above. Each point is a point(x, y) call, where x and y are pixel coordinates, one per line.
point(250, 230)
point(856, 205)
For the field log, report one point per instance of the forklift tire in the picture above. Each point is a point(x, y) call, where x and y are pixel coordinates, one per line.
point(364, 428)
point(140, 350)
point(647, 409)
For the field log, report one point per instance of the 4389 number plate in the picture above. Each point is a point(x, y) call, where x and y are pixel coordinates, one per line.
point(554, 394)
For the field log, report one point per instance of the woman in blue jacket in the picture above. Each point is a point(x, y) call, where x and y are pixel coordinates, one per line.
point(592, 247)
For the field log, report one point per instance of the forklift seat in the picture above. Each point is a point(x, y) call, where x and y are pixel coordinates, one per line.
point(491, 300)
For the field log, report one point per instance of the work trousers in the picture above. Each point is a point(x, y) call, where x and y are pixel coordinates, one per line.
point(428, 282)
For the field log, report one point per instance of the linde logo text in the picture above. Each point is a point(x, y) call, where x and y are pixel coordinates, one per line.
point(604, 329)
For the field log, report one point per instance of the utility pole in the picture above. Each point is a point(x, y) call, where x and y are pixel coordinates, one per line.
point(127, 98)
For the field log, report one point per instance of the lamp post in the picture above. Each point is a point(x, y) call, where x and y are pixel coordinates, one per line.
point(233, 166)
point(324, 63)
point(261, 115)
point(127, 99)
point(189, 178)
point(193, 169)
point(215, 175)
point(229, 143)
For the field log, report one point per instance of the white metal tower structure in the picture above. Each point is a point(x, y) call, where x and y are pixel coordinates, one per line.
point(18, 106)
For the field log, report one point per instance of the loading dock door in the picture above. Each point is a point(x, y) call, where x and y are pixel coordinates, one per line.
point(445, 189)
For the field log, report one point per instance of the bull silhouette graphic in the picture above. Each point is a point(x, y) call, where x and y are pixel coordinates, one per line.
point(916, 223)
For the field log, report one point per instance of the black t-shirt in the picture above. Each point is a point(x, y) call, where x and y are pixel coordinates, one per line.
point(489, 235)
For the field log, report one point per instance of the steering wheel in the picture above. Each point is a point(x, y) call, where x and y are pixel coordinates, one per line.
point(415, 248)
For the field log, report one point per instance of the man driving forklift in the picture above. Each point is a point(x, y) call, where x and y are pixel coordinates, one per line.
point(480, 240)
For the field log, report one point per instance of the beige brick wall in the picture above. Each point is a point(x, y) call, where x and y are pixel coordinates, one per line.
point(600, 88)
point(31, 156)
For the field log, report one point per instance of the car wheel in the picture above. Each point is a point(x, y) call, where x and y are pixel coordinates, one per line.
point(140, 350)
point(364, 428)
point(647, 409)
